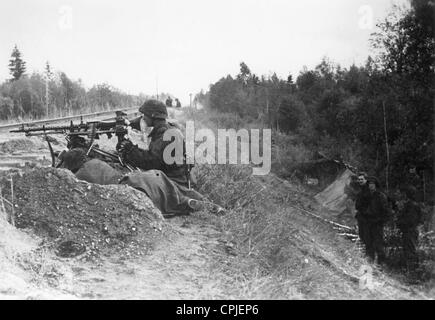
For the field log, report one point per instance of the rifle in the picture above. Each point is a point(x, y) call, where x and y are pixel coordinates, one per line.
point(188, 168)
point(76, 135)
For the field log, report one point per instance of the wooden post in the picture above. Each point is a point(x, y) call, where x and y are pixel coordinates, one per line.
point(424, 186)
point(2, 207)
point(46, 96)
point(386, 145)
point(12, 201)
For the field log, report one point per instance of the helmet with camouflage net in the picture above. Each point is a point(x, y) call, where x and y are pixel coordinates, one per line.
point(154, 109)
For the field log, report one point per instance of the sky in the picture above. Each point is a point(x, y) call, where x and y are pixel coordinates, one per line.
point(181, 47)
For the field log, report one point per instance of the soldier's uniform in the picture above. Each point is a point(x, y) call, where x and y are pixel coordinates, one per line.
point(374, 211)
point(408, 219)
point(73, 159)
point(166, 184)
point(169, 102)
point(414, 180)
point(153, 157)
point(377, 214)
point(178, 103)
point(361, 204)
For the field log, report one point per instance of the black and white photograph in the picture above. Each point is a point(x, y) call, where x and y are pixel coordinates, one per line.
point(223, 152)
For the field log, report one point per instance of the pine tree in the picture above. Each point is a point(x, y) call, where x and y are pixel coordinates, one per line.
point(17, 66)
point(48, 72)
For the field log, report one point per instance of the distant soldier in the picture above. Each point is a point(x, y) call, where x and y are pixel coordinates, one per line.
point(412, 178)
point(169, 102)
point(361, 204)
point(408, 219)
point(178, 103)
point(376, 214)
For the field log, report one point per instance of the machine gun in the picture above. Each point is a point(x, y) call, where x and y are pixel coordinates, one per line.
point(76, 135)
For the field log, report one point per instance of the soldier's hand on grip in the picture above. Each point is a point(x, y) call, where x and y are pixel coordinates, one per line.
point(124, 146)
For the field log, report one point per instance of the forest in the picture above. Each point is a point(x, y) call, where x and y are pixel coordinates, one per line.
point(378, 116)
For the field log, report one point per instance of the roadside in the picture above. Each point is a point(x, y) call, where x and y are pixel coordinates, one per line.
point(262, 249)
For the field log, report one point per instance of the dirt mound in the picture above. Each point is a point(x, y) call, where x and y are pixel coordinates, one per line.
point(77, 217)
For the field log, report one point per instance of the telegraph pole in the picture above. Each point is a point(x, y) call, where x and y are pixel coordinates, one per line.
point(157, 87)
point(190, 95)
point(386, 145)
point(47, 91)
point(46, 95)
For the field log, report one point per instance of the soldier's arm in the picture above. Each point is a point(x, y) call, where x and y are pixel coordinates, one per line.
point(149, 159)
point(359, 202)
point(135, 123)
point(143, 159)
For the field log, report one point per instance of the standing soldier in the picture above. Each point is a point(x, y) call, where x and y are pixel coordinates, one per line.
point(361, 204)
point(168, 102)
point(412, 178)
point(408, 219)
point(178, 103)
point(376, 215)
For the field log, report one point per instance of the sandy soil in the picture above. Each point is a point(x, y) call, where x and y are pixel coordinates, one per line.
point(185, 257)
point(178, 268)
point(175, 265)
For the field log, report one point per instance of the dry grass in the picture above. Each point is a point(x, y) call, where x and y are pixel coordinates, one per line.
point(272, 250)
point(280, 253)
point(287, 151)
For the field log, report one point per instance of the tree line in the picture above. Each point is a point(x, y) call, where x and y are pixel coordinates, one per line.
point(53, 94)
point(381, 111)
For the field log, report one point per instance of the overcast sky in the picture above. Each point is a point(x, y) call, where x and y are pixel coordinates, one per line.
point(184, 45)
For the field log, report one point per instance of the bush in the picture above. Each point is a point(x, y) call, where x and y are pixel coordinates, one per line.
point(288, 154)
point(291, 114)
point(6, 108)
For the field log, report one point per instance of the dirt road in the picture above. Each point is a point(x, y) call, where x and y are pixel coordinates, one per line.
point(193, 259)
point(178, 268)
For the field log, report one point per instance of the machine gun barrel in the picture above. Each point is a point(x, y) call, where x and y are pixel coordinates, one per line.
point(90, 129)
point(45, 128)
point(99, 125)
point(63, 131)
point(82, 129)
